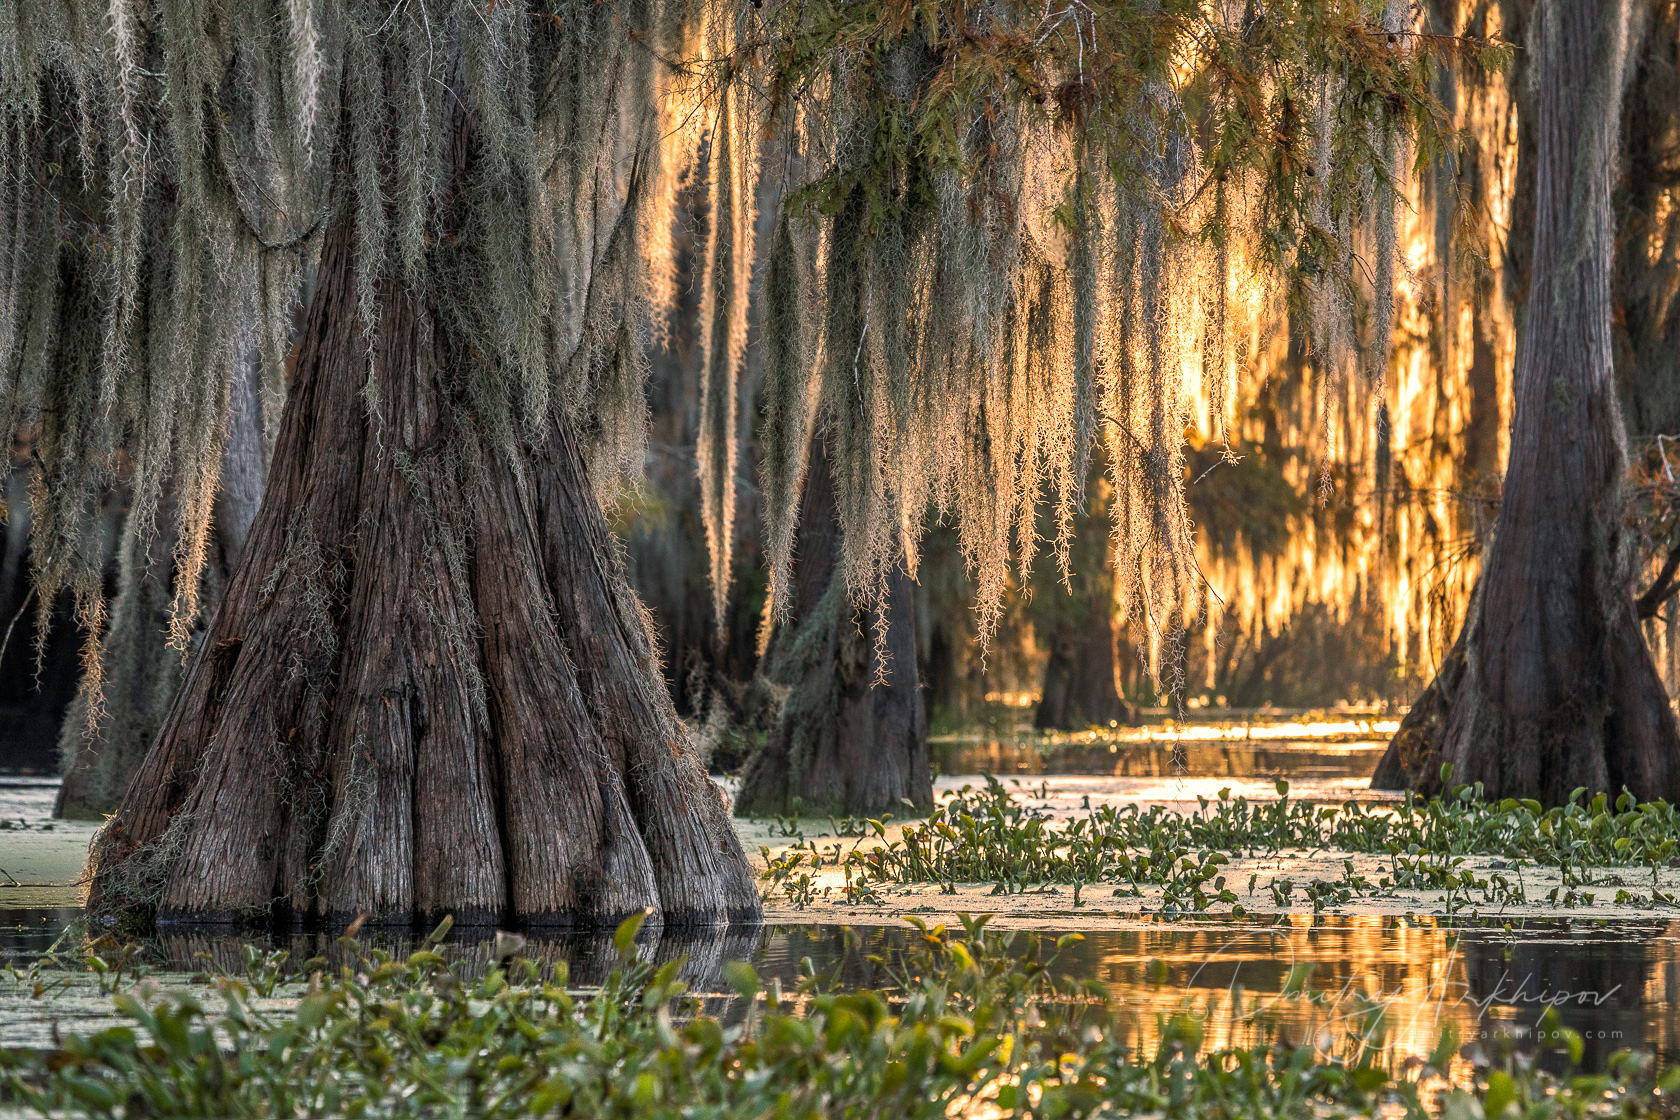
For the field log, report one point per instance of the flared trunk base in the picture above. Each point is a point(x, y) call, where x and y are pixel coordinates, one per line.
point(1615, 730)
point(429, 689)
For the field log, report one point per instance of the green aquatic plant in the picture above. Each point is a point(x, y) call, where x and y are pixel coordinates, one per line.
point(965, 1021)
point(989, 835)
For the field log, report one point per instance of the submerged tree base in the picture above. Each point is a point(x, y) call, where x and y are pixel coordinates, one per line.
point(429, 689)
point(1614, 728)
point(851, 735)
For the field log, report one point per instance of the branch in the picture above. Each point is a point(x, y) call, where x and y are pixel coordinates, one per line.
point(1647, 605)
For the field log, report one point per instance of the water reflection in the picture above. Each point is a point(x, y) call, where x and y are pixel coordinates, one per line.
point(1169, 754)
point(588, 956)
point(1305, 981)
point(1295, 980)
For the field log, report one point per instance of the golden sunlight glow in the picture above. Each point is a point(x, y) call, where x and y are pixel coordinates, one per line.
point(1405, 550)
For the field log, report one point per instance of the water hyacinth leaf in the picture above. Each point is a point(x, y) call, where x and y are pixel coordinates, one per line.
point(1369, 1079)
point(743, 977)
point(624, 938)
point(313, 1010)
point(1501, 1091)
point(1445, 1047)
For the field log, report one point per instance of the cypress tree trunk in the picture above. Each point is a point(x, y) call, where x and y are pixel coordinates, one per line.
point(428, 689)
point(38, 672)
point(851, 737)
point(1648, 267)
point(142, 671)
point(1081, 684)
point(1550, 685)
point(1082, 675)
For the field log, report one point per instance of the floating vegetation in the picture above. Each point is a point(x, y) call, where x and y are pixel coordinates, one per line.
point(967, 1023)
point(987, 835)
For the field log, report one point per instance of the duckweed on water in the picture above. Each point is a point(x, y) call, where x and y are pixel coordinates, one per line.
point(969, 1024)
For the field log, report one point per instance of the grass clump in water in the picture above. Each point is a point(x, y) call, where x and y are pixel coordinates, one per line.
point(969, 1023)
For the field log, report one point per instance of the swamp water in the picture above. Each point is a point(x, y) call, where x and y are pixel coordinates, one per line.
point(1335, 745)
point(1248, 981)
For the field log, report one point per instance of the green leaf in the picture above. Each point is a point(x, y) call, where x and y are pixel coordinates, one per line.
point(1369, 1079)
point(442, 931)
point(1501, 1091)
point(743, 977)
point(1445, 1048)
point(312, 1010)
point(625, 938)
point(1572, 1041)
point(91, 1092)
point(132, 1007)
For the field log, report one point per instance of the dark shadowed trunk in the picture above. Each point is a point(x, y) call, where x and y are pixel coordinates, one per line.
point(142, 671)
point(1081, 686)
point(38, 672)
point(1648, 224)
point(429, 688)
point(1073, 613)
point(851, 736)
point(1550, 685)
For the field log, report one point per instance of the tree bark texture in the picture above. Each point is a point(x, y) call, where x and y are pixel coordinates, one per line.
point(851, 736)
point(428, 689)
point(1648, 224)
point(142, 671)
point(1081, 686)
point(1550, 686)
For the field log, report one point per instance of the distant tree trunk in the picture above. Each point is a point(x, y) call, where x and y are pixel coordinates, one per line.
point(429, 688)
point(1648, 225)
point(852, 734)
point(1081, 685)
point(142, 671)
point(38, 672)
point(1074, 612)
point(1550, 685)
point(141, 676)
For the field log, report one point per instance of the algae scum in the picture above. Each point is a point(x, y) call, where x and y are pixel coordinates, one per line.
point(1135, 963)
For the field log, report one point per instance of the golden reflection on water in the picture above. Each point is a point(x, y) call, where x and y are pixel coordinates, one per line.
point(1309, 744)
point(1300, 982)
point(1293, 731)
point(1328, 981)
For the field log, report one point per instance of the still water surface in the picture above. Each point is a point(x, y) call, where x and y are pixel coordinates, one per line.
point(1250, 982)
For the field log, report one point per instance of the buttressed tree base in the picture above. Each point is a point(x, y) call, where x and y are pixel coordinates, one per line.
point(428, 688)
point(1550, 686)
